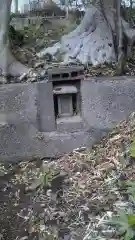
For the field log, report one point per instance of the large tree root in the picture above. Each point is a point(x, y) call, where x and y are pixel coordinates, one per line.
point(8, 64)
point(92, 41)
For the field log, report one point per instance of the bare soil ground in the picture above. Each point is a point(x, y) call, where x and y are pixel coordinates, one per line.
point(67, 197)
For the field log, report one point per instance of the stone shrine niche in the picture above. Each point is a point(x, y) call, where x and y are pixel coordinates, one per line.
point(65, 100)
point(66, 82)
point(59, 100)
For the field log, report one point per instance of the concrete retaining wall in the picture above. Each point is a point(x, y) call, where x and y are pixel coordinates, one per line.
point(20, 23)
point(27, 123)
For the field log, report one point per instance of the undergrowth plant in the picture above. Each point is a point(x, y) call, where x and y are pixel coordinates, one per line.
point(124, 222)
point(46, 176)
point(132, 149)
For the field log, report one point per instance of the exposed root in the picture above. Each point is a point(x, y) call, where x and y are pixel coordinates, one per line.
point(92, 42)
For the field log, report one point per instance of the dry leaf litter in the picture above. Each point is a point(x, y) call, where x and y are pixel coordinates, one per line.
point(69, 198)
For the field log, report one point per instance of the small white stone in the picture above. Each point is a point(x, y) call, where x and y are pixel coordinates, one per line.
point(49, 192)
point(24, 238)
point(78, 174)
point(109, 214)
point(62, 214)
point(39, 64)
point(42, 228)
point(85, 208)
point(23, 76)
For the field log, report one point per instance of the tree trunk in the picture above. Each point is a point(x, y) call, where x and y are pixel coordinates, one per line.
point(121, 57)
point(93, 40)
point(16, 6)
point(130, 13)
point(67, 8)
point(8, 64)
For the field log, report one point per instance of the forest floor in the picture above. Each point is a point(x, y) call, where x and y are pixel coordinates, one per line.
point(71, 197)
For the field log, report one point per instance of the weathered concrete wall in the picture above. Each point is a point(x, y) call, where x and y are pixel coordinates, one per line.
point(107, 101)
point(27, 126)
point(20, 23)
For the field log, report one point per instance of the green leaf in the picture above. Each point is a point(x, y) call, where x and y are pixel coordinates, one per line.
point(129, 234)
point(120, 220)
point(124, 224)
point(130, 183)
point(132, 149)
point(130, 187)
point(132, 153)
point(122, 230)
point(131, 219)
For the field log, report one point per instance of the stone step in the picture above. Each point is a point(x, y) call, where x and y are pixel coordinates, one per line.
point(70, 124)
